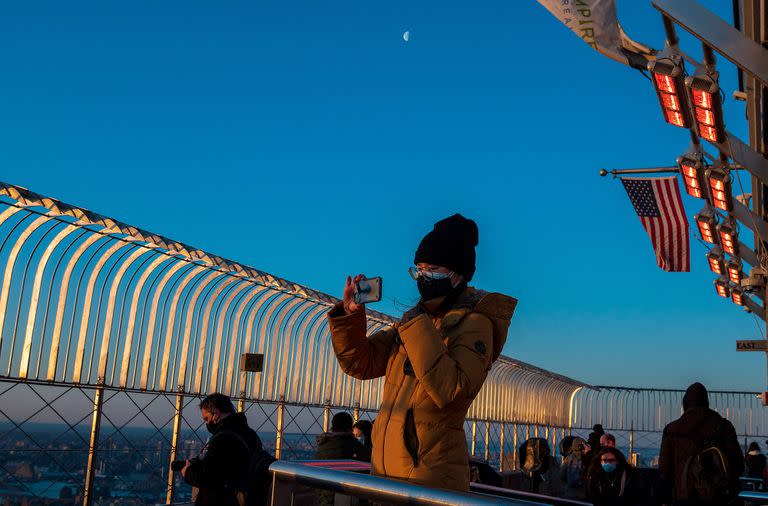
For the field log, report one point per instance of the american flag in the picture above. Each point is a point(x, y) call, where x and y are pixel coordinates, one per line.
point(658, 204)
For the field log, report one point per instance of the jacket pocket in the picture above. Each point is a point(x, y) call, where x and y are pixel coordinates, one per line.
point(410, 438)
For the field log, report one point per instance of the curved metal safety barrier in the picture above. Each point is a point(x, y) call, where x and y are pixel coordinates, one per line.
point(88, 300)
point(643, 409)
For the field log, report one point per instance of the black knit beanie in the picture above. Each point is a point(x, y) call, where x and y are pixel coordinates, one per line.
point(451, 244)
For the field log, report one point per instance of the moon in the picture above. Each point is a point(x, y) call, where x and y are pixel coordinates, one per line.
point(406, 36)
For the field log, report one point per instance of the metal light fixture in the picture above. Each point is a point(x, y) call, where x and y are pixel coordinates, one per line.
point(729, 238)
point(721, 286)
point(693, 171)
point(706, 222)
point(734, 271)
point(716, 263)
point(705, 97)
point(668, 81)
point(720, 189)
point(737, 296)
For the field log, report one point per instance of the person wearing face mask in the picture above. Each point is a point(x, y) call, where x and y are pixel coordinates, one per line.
point(221, 473)
point(611, 481)
point(434, 360)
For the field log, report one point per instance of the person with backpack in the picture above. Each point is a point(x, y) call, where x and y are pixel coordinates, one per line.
point(611, 481)
point(572, 472)
point(232, 469)
point(700, 460)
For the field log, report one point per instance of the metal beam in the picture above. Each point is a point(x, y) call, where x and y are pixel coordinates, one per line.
point(750, 220)
point(715, 32)
point(90, 471)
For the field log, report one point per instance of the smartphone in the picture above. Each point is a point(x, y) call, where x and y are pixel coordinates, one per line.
point(368, 290)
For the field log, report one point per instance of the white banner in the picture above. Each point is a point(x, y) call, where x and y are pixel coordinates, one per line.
point(596, 23)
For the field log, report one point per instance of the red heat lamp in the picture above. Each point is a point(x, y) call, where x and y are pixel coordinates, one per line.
point(734, 272)
point(692, 170)
point(706, 222)
point(729, 238)
point(707, 107)
point(722, 288)
point(716, 263)
point(737, 296)
point(720, 188)
point(668, 81)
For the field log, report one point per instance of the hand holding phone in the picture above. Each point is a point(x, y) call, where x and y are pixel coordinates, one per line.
point(368, 290)
point(350, 298)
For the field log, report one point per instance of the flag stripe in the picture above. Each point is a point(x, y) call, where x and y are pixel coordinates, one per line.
point(659, 206)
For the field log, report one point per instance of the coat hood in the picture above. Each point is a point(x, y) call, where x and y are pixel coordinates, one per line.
point(235, 422)
point(695, 397)
point(497, 307)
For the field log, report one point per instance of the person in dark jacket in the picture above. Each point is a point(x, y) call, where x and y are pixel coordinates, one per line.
point(340, 442)
point(221, 471)
point(755, 461)
point(611, 481)
point(362, 431)
point(698, 428)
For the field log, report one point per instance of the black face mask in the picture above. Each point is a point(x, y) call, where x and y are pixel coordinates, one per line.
point(211, 426)
point(433, 288)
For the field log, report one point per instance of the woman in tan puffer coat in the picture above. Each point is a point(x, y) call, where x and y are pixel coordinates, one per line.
point(434, 361)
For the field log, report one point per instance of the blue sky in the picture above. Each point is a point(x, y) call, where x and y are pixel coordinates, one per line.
point(311, 141)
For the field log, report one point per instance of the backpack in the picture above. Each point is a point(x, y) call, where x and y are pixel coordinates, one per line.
point(534, 456)
point(257, 488)
point(705, 475)
point(254, 491)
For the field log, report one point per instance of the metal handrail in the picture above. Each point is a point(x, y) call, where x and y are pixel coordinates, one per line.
point(519, 494)
point(378, 489)
point(754, 497)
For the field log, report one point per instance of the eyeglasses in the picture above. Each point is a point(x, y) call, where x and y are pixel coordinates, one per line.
point(417, 273)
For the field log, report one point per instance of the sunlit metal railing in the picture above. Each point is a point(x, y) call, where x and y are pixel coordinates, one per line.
point(91, 303)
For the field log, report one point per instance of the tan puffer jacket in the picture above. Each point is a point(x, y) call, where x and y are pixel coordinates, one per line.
point(433, 368)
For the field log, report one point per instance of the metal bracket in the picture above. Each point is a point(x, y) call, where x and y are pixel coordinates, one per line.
point(715, 32)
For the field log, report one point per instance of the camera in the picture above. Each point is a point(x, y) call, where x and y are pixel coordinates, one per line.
point(178, 465)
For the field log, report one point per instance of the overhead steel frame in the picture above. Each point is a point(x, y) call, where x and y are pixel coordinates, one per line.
point(87, 300)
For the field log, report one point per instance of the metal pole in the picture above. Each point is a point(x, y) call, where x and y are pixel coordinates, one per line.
point(474, 436)
point(514, 447)
point(487, 439)
point(279, 433)
point(175, 446)
point(356, 413)
point(241, 405)
point(631, 441)
point(326, 416)
point(650, 170)
point(90, 471)
point(669, 29)
point(501, 448)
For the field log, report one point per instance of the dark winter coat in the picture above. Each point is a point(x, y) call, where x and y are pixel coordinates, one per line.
point(755, 465)
point(621, 488)
point(341, 445)
point(222, 468)
point(687, 436)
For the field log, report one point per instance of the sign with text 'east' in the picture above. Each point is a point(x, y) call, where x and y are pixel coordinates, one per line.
point(761, 345)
